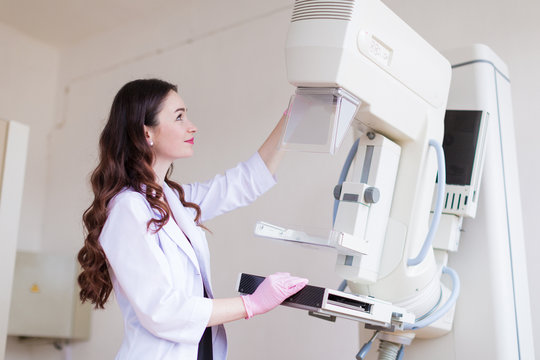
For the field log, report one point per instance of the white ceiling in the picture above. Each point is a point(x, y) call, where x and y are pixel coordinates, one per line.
point(64, 22)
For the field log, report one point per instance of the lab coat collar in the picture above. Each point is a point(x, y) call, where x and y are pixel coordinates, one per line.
point(185, 227)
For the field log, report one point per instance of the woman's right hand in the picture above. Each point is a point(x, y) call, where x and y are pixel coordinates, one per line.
point(272, 292)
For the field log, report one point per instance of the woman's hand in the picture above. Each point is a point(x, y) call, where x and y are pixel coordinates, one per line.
point(271, 292)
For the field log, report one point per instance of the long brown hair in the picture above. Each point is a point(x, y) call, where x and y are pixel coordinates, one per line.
point(125, 161)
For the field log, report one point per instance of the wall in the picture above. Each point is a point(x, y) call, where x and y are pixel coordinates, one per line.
point(28, 80)
point(28, 75)
point(228, 60)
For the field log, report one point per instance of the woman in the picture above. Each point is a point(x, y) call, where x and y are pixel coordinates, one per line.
point(144, 231)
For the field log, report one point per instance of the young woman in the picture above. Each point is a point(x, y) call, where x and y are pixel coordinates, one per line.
point(145, 236)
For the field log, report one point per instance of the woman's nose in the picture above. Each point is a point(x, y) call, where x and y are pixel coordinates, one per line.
point(192, 128)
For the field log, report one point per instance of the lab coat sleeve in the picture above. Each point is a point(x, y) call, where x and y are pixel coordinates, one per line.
point(143, 275)
point(238, 187)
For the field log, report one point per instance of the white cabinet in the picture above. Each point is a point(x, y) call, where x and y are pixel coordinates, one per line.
point(45, 298)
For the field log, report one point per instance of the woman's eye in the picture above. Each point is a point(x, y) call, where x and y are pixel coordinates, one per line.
point(180, 117)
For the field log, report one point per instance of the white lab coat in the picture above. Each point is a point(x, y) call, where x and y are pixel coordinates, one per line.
point(158, 278)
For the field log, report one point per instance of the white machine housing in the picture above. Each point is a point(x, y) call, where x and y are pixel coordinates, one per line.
point(492, 318)
point(401, 85)
point(362, 215)
point(358, 53)
point(492, 257)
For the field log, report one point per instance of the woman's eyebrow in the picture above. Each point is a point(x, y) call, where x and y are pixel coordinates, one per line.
point(180, 109)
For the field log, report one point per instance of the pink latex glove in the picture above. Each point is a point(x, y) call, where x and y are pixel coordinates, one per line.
point(271, 292)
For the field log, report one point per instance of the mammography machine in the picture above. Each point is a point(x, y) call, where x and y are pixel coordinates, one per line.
point(355, 63)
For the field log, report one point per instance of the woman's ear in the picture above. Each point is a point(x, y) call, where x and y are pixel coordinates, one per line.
point(148, 133)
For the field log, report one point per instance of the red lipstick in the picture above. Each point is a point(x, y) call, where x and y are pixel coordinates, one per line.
point(190, 141)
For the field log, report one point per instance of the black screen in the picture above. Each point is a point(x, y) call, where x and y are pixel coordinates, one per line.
point(461, 129)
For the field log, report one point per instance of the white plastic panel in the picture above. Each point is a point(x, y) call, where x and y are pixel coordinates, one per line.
point(13, 146)
point(318, 119)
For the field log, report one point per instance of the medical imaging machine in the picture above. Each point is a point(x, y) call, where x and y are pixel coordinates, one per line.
point(401, 204)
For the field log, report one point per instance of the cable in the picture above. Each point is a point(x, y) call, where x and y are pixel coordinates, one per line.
point(438, 205)
point(367, 346)
point(400, 352)
point(447, 305)
point(343, 285)
point(433, 308)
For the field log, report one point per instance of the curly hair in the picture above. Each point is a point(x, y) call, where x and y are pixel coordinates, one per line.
point(125, 161)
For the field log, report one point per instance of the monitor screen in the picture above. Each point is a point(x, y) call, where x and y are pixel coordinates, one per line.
point(461, 129)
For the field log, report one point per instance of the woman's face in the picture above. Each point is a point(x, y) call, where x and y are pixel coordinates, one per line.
point(173, 136)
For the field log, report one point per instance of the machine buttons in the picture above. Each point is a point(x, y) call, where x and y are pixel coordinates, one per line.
point(372, 195)
point(337, 191)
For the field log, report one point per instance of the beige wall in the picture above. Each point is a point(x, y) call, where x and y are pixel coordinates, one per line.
point(228, 60)
point(28, 75)
point(28, 80)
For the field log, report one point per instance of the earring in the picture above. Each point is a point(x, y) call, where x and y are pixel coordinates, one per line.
point(151, 143)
